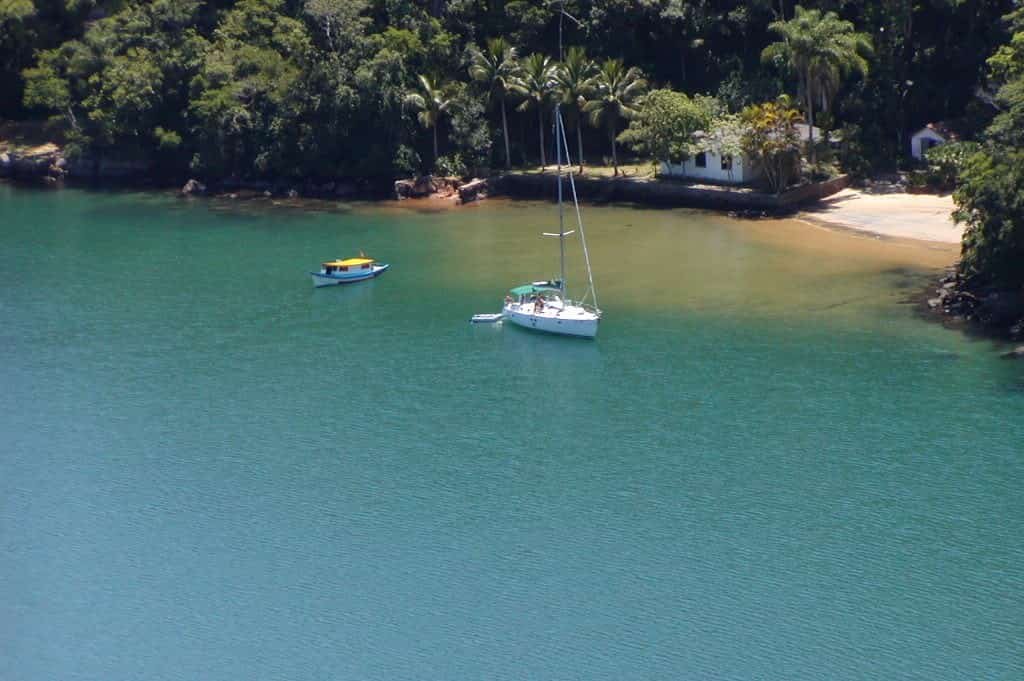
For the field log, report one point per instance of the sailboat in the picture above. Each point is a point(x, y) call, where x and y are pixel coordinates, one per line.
point(546, 305)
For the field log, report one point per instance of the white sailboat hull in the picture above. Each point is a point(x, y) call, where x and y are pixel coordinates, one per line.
point(570, 320)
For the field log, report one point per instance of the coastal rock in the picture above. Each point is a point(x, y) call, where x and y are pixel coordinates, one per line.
point(403, 189)
point(31, 166)
point(426, 185)
point(121, 169)
point(1016, 353)
point(193, 187)
point(446, 187)
point(473, 190)
point(423, 186)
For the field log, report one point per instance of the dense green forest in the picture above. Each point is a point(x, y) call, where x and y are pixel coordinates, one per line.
point(382, 88)
point(321, 87)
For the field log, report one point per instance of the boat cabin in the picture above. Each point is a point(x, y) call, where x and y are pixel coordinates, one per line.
point(530, 292)
point(347, 265)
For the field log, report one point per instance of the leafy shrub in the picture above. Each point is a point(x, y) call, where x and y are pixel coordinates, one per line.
point(990, 202)
point(946, 162)
point(450, 166)
point(406, 160)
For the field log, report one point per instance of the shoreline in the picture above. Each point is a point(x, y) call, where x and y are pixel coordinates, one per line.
point(936, 247)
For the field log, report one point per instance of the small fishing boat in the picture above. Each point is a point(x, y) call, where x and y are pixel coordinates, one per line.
point(347, 271)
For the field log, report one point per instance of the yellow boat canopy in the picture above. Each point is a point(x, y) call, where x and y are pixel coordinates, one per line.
point(350, 262)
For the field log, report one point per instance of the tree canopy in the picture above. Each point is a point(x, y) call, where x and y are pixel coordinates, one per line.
point(990, 197)
point(317, 87)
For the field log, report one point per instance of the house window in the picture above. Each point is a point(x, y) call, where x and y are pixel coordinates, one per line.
point(701, 160)
point(727, 162)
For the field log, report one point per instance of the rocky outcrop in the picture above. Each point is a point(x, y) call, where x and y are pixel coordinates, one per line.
point(403, 188)
point(193, 188)
point(667, 192)
point(1016, 353)
point(418, 188)
point(48, 162)
point(427, 186)
point(994, 311)
point(473, 190)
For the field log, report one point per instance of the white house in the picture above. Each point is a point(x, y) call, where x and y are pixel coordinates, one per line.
point(712, 163)
point(931, 135)
point(713, 166)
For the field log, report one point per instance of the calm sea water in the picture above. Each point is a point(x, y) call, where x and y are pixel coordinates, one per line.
point(766, 467)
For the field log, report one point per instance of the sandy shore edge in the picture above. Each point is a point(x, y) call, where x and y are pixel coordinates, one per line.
point(921, 217)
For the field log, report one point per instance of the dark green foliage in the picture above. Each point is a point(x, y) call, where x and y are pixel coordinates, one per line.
point(123, 80)
point(470, 136)
point(665, 126)
point(853, 155)
point(315, 87)
point(990, 200)
point(990, 196)
point(944, 164)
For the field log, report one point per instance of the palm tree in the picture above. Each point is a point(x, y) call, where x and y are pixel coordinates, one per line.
point(496, 66)
point(574, 82)
point(536, 84)
point(432, 102)
point(617, 93)
point(821, 49)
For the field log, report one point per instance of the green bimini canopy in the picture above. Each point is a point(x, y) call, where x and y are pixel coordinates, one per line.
point(527, 289)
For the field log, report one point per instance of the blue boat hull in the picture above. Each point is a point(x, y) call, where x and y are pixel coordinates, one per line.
point(320, 279)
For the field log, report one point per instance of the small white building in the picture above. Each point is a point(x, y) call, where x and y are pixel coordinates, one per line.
point(931, 135)
point(714, 167)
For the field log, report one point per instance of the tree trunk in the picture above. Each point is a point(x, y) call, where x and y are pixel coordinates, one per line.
point(540, 129)
point(810, 120)
point(615, 158)
point(504, 129)
point(435, 144)
point(810, 133)
point(579, 139)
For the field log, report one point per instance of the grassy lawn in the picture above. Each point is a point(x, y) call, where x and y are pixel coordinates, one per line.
point(642, 170)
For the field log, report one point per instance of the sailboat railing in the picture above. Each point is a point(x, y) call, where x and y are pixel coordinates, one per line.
point(564, 144)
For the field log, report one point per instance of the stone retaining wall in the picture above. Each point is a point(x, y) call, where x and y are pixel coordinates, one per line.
point(667, 193)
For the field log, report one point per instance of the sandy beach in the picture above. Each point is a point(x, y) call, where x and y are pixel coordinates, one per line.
point(924, 217)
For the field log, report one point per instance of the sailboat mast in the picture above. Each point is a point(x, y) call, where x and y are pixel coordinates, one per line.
point(561, 211)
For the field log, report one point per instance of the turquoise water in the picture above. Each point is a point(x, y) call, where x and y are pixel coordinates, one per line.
point(765, 467)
